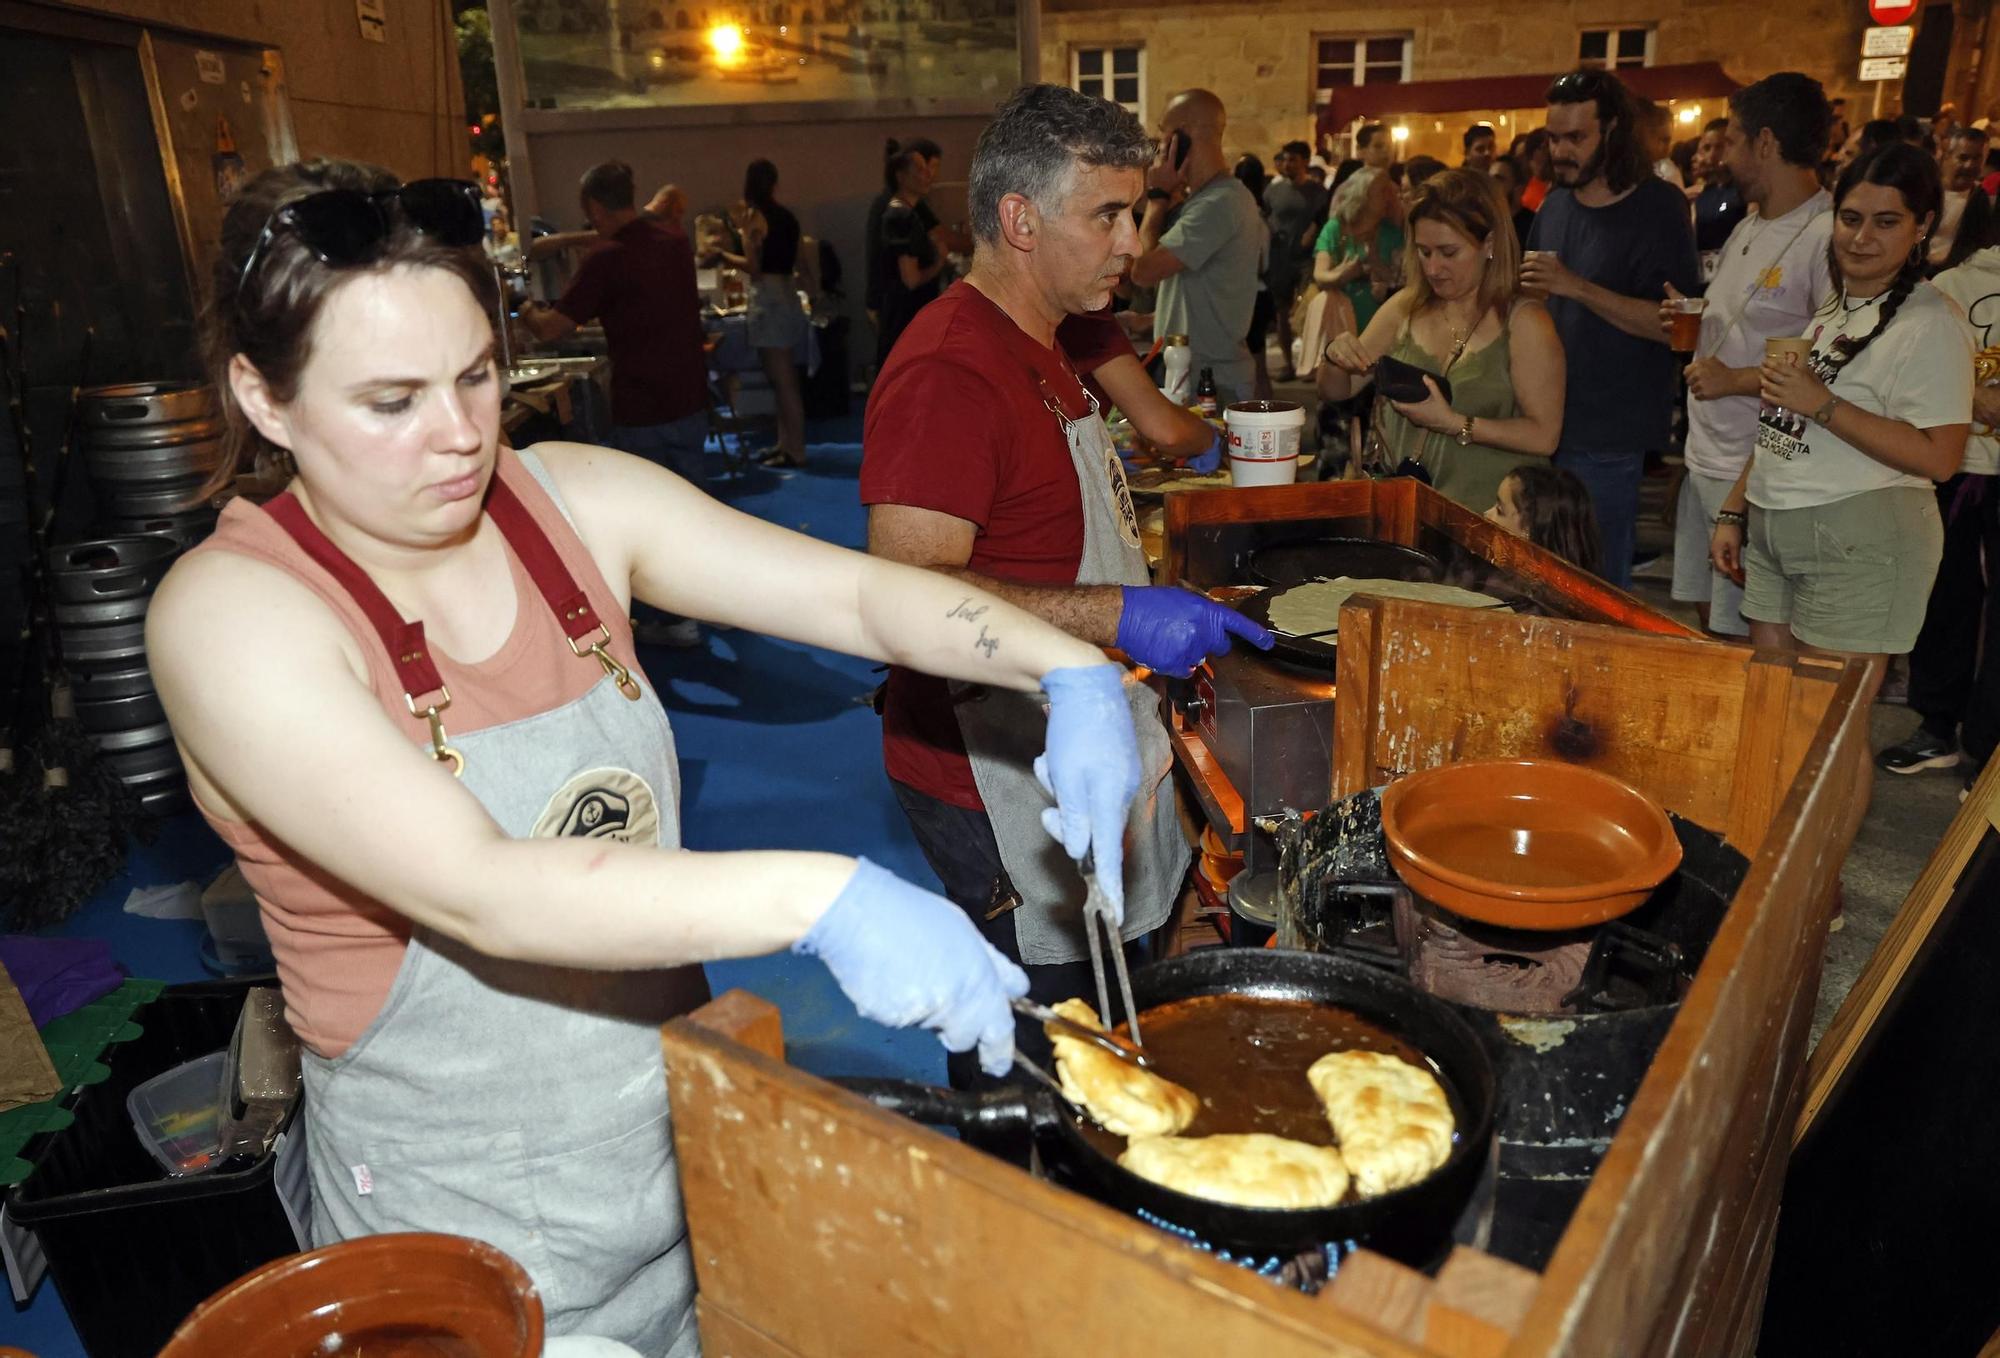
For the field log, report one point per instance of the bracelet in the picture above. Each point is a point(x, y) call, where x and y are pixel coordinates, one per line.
point(1823, 417)
point(1735, 516)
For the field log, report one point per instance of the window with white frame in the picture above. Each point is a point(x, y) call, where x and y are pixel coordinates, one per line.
point(1611, 48)
point(1114, 73)
point(1343, 61)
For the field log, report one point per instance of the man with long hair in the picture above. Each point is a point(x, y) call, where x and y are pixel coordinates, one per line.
point(1607, 242)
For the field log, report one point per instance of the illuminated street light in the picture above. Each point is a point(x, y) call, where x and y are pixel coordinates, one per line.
point(726, 41)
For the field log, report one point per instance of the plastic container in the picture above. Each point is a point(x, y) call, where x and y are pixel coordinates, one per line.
point(1264, 442)
point(131, 1250)
point(177, 1114)
point(1177, 370)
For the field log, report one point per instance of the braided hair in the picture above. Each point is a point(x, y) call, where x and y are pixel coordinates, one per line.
point(1914, 175)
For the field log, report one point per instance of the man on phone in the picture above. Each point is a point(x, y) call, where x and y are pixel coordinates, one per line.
point(1207, 262)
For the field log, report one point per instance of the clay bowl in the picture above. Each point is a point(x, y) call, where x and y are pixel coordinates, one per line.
point(387, 1296)
point(1527, 844)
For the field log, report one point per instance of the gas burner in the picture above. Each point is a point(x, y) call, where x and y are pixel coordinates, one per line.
point(1602, 969)
point(1307, 1271)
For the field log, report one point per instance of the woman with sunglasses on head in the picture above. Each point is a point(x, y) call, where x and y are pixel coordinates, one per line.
point(407, 698)
point(1833, 528)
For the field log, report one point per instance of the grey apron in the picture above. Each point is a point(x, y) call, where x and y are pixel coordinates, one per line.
point(520, 1104)
point(1005, 731)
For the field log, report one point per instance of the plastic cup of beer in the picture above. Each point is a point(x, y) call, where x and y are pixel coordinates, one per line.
point(1788, 351)
point(1526, 256)
point(1685, 313)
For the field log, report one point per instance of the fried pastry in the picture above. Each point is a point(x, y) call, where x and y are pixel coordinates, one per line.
point(1250, 1169)
point(1391, 1118)
point(1120, 1097)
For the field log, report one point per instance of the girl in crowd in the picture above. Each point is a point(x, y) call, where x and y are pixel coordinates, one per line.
point(911, 260)
point(408, 701)
point(1461, 316)
point(777, 323)
point(1833, 527)
point(1549, 507)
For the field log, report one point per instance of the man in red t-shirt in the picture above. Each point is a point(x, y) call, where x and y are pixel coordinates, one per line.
point(976, 444)
point(639, 281)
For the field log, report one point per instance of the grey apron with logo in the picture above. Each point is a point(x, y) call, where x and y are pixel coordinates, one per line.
point(520, 1104)
point(1005, 731)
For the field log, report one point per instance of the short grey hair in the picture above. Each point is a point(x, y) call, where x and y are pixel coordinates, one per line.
point(1035, 142)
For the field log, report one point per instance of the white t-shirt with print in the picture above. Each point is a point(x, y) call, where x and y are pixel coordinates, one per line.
point(1770, 281)
point(1919, 371)
point(1975, 286)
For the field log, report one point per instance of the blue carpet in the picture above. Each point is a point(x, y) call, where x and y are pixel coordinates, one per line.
point(778, 751)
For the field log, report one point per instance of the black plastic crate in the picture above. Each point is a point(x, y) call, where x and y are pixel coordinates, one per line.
point(131, 1250)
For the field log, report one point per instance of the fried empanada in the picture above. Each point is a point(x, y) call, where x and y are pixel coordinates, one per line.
point(1121, 1098)
point(1392, 1119)
point(1250, 1169)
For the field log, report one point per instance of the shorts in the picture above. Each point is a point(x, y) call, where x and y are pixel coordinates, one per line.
point(776, 319)
point(1695, 580)
point(1853, 576)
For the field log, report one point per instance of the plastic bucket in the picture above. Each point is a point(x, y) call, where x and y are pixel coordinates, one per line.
point(1264, 442)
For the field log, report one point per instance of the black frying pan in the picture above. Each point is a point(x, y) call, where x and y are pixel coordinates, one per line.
point(1302, 559)
point(1413, 1224)
point(1319, 652)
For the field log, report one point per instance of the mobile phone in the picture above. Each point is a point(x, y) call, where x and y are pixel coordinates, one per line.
point(1178, 146)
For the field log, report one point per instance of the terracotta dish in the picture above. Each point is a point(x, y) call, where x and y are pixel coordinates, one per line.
point(382, 1296)
point(1528, 844)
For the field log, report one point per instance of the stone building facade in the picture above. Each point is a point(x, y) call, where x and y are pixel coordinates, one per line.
point(1267, 59)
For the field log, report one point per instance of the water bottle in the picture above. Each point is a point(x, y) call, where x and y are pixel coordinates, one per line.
point(1178, 361)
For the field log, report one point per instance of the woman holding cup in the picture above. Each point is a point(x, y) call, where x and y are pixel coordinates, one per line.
point(1463, 316)
point(1833, 527)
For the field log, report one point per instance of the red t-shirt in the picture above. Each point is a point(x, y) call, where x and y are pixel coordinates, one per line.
point(640, 284)
point(957, 424)
point(1092, 340)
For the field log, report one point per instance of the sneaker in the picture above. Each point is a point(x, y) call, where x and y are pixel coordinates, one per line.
point(681, 635)
point(1923, 750)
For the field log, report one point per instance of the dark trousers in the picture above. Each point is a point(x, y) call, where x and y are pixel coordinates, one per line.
point(960, 847)
point(1613, 482)
point(1950, 681)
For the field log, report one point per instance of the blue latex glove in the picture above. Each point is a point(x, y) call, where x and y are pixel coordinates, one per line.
point(1172, 630)
point(1210, 460)
point(907, 957)
point(1091, 768)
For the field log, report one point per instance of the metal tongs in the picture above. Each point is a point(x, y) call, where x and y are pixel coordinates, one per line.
point(1097, 912)
point(1095, 1036)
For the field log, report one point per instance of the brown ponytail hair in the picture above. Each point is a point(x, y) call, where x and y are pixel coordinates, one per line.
point(271, 322)
point(1913, 174)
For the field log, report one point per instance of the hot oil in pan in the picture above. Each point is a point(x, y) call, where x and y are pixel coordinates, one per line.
point(1246, 1058)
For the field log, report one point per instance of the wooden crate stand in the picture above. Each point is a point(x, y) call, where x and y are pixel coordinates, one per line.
point(824, 1226)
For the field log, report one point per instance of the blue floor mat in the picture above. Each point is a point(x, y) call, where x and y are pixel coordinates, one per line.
point(778, 751)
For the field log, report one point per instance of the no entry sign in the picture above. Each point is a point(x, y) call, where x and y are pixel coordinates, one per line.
point(1891, 11)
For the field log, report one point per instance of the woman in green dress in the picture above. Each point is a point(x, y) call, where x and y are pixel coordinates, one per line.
point(1360, 249)
point(1462, 316)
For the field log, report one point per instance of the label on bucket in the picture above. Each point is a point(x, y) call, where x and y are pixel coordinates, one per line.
point(1264, 445)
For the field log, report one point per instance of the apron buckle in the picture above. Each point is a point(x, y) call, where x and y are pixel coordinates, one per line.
point(441, 749)
point(627, 685)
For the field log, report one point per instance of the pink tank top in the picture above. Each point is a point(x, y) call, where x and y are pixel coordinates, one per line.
point(338, 949)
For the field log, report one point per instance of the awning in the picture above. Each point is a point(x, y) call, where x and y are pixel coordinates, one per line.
point(1688, 80)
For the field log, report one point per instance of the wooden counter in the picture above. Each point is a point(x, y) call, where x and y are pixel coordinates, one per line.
point(824, 1226)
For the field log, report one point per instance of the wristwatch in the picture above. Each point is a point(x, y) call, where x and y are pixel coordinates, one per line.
point(1464, 435)
point(1824, 415)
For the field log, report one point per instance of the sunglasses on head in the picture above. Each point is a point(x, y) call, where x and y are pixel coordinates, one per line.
point(1583, 84)
point(346, 228)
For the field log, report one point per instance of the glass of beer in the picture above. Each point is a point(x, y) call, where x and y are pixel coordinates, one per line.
point(1685, 316)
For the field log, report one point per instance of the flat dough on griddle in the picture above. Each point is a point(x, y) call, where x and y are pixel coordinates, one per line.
point(1314, 608)
point(1392, 1119)
point(1120, 1097)
point(1250, 1169)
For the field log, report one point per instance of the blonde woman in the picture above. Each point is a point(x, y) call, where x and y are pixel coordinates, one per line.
point(1463, 317)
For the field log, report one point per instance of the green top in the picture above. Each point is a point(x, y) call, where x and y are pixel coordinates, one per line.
point(1385, 262)
point(1482, 384)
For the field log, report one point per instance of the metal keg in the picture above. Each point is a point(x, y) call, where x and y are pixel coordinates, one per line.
point(150, 446)
point(109, 568)
point(185, 529)
point(104, 635)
